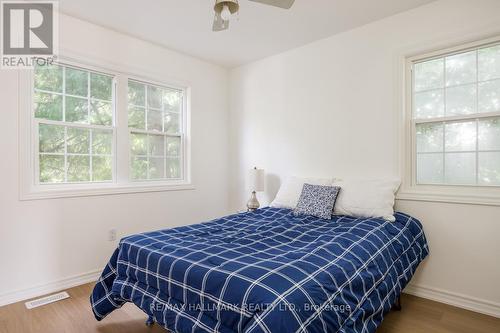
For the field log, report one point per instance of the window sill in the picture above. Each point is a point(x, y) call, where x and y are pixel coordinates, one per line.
point(86, 190)
point(446, 194)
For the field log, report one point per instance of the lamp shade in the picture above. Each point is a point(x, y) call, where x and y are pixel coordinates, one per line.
point(257, 180)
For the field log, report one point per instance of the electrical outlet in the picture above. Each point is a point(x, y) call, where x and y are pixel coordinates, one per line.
point(112, 235)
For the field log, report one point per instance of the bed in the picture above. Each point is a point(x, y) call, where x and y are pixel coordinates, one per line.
point(265, 271)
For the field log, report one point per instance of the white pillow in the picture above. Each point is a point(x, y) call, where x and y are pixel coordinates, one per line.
point(366, 198)
point(290, 190)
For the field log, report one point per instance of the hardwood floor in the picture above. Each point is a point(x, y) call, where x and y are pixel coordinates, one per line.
point(73, 315)
point(420, 315)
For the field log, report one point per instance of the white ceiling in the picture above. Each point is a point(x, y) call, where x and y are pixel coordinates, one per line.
point(260, 31)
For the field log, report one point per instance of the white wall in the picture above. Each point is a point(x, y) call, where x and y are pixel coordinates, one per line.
point(329, 108)
point(48, 240)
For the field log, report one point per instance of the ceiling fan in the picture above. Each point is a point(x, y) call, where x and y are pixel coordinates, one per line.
point(224, 9)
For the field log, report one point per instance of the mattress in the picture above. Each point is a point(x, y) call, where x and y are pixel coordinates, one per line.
point(265, 271)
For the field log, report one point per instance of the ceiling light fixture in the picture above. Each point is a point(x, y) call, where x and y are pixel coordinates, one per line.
point(224, 10)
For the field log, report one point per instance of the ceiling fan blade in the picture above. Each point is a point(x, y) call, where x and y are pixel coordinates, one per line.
point(219, 23)
point(286, 4)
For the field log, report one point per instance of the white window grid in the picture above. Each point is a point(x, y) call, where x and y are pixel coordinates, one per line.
point(63, 123)
point(148, 133)
point(476, 117)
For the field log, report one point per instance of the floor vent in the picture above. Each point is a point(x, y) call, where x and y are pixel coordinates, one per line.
point(46, 300)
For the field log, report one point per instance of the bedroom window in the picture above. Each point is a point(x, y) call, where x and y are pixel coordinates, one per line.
point(456, 115)
point(92, 131)
point(154, 120)
point(452, 125)
point(74, 115)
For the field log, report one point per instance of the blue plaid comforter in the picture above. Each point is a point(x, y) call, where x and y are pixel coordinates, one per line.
point(266, 271)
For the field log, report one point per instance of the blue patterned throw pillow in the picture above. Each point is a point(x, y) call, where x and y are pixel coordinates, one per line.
point(317, 200)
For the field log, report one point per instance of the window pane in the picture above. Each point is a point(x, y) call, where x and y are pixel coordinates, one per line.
point(489, 168)
point(139, 168)
point(172, 123)
point(174, 146)
point(460, 168)
point(48, 78)
point(156, 166)
point(76, 82)
point(101, 113)
point(154, 97)
point(155, 120)
point(101, 86)
point(429, 104)
point(460, 136)
point(76, 110)
point(457, 85)
point(51, 168)
point(429, 75)
point(489, 134)
point(65, 151)
point(489, 96)
point(154, 109)
point(461, 100)
point(51, 139)
point(102, 168)
point(172, 100)
point(489, 63)
point(136, 118)
point(78, 141)
point(102, 142)
point(429, 168)
point(156, 145)
point(78, 168)
point(48, 106)
point(461, 68)
point(429, 138)
point(138, 144)
point(173, 168)
point(136, 92)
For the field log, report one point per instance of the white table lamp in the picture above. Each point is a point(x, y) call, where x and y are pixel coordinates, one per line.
point(257, 185)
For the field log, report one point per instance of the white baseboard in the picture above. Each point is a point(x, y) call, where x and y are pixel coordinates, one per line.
point(455, 299)
point(51, 287)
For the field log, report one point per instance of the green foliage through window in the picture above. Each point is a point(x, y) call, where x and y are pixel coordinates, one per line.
point(65, 98)
point(74, 118)
point(154, 118)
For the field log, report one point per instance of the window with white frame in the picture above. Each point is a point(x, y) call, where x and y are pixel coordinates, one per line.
point(456, 117)
point(92, 126)
point(74, 117)
point(155, 131)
